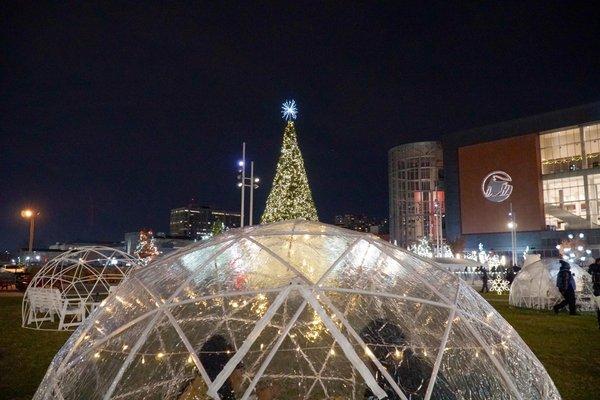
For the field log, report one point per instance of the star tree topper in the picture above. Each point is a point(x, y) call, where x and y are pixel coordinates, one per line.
point(289, 110)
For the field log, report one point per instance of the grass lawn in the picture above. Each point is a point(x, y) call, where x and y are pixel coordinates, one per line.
point(569, 348)
point(24, 353)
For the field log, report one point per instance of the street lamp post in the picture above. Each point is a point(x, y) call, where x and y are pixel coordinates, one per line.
point(253, 185)
point(437, 214)
point(435, 224)
point(512, 225)
point(243, 171)
point(30, 215)
point(251, 182)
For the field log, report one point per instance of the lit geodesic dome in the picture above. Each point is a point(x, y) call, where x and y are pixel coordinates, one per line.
point(535, 286)
point(69, 287)
point(302, 309)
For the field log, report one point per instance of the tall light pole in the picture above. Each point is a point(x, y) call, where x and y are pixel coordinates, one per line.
point(243, 181)
point(438, 227)
point(512, 225)
point(251, 182)
point(30, 215)
point(437, 214)
point(253, 185)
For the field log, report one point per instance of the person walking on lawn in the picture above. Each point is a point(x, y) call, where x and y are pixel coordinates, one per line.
point(484, 278)
point(566, 285)
point(594, 271)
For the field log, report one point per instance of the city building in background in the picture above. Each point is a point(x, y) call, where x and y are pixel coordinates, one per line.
point(545, 167)
point(65, 246)
point(35, 257)
point(196, 222)
point(163, 242)
point(360, 223)
point(363, 223)
point(416, 192)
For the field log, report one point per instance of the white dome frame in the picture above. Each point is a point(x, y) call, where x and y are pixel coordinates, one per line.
point(517, 372)
point(71, 285)
point(534, 286)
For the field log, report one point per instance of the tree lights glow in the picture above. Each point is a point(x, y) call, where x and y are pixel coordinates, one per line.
point(146, 249)
point(424, 249)
point(574, 249)
point(484, 257)
point(290, 196)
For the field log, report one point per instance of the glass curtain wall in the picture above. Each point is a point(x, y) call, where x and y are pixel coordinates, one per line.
point(571, 200)
point(561, 151)
point(564, 203)
point(594, 199)
point(591, 137)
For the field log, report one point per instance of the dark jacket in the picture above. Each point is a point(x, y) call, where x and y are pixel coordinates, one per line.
point(594, 271)
point(564, 279)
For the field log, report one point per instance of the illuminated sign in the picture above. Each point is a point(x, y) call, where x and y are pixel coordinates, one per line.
point(496, 187)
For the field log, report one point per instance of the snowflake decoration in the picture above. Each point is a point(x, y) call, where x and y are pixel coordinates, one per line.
point(289, 110)
point(499, 285)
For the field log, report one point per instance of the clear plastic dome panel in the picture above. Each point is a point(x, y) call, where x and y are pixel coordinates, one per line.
point(302, 309)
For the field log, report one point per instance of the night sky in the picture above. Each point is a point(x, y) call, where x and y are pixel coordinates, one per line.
point(112, 115)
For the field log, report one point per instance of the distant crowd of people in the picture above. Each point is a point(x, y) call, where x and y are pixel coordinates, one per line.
point(510, 274)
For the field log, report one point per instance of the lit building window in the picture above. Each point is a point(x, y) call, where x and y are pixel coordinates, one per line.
point(591, 137)
point(594, 199)
point(561, 151)
point(565, 204)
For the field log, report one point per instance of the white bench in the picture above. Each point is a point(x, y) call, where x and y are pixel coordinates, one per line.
point(49, 302)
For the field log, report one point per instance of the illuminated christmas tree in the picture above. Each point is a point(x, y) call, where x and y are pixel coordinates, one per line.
point(146, 249)
point(290, 196)
point(218, 227)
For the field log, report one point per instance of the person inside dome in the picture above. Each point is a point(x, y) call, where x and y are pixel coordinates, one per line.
point(411, 373)
point(214, 355)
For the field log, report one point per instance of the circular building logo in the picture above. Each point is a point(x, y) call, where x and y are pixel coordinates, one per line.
point(496, 186)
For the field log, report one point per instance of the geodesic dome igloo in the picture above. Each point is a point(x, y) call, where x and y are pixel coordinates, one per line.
point(309, 310)
point(535, 286)
point(68, 287)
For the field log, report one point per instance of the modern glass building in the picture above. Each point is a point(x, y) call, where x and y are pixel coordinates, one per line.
point(196, 222)
point(546, 167)
point(416, 192)
point(570, 161)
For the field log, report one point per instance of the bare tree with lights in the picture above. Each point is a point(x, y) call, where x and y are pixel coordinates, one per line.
point(290, 196)
point(574, 250)
point(146, 249)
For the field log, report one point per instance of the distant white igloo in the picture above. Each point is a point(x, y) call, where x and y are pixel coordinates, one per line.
point(69, 287)
point(302, 309)
point(535, 285)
